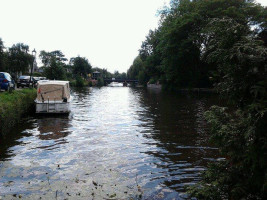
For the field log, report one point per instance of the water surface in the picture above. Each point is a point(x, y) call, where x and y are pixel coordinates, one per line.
point(117, 143)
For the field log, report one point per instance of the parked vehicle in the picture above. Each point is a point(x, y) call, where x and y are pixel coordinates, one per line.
point(53, 97)
point(6, 82)
point(36, 79)
point(24, 81)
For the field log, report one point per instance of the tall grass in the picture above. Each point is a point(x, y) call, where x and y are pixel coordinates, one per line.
point(13, 106)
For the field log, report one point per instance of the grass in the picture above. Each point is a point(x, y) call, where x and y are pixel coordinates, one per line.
point(13, 106)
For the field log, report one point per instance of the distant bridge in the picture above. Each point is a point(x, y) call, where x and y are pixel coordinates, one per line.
point(119, 80)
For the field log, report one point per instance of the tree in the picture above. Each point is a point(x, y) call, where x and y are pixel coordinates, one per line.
point(134, 70)
point(141, 78)
point(174, 53)
point(105, 73)
point(240, 134)
point(46, 57)
point(241, 60)
point(54, 64)
point(59, 56)
point(2, 56)
point(81, 66)
point(222, 40)
point(55, 70)
point(151, 56)
point(19, 60)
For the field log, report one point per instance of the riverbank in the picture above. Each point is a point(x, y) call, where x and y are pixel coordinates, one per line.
point(183, 90)
point(13, 106)
point(198, 90)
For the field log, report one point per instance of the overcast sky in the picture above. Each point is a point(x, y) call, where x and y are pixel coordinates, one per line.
point(107, 32)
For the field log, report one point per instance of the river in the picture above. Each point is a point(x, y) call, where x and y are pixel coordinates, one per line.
point(117, 143)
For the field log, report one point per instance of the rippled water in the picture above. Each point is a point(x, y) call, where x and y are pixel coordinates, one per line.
point(117, 143)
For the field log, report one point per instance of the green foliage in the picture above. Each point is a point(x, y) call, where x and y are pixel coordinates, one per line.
point(152, 80)
point(55, 70)
point(133, 71)
point(105, 73)
point(19, 60)
point(119, 75)
point(72, 82)
point(100, 82)
point(54, 65)
point(13, 106)
point(177, 52)
point(81, 66)
point(79, 82)
point(37, 74)
point(240, 61)
point(69, 75)
point(223, 41)
point(141, 78)
point(2, 63)
point(242, 140)
point(47, 57)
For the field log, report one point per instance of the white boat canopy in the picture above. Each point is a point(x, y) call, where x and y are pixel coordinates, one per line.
point(53, 91)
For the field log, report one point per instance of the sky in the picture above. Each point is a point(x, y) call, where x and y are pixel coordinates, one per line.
point(108, 33)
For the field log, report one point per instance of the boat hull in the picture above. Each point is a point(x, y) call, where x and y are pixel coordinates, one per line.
point(62, 107)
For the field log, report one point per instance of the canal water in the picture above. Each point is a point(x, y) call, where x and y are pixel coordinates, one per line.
point(117, 143)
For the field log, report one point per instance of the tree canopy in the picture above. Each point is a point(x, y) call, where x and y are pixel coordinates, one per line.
point(81, 66)
point(176, 52)
point(54, 64)
point(16, 59)
point(221, 44)
point(2, 56)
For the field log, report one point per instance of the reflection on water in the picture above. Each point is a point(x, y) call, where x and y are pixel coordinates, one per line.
point(117, 143)
point(53, 129)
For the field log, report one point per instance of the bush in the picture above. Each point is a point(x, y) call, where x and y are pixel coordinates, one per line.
point(72, 83)
point(13, 106)
point(79, 82)
point(241, 139)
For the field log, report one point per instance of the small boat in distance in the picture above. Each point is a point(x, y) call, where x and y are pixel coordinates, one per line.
point(53, 97)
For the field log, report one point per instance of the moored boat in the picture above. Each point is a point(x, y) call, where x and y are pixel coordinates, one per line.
point(53, 97)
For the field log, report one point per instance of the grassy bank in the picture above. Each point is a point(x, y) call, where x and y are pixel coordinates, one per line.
point(13, 106)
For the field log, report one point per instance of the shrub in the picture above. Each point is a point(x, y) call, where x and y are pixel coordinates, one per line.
point(72, 83)
point(79, 82)
point(241, 139)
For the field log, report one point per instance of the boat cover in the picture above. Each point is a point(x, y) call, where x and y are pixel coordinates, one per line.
point(53, 91)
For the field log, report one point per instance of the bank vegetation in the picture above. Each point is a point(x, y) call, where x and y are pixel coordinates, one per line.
point(13, 106)
point(220, 44)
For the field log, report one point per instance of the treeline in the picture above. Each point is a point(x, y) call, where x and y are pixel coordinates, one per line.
point(18, 59)
point(221, 43)
point(15, 59)
point(180, 52)
point(56, 66)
